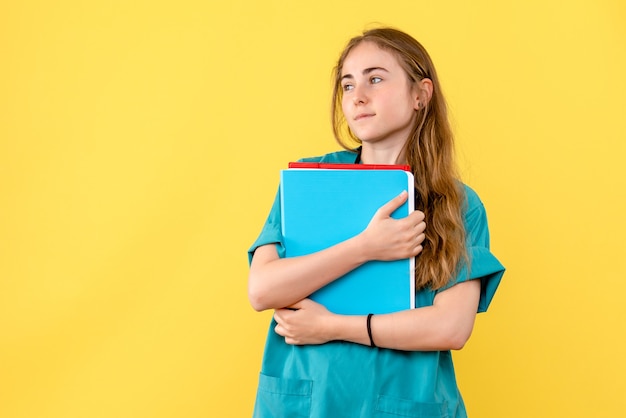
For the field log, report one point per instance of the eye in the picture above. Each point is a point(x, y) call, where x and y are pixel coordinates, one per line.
point(347, 87)
point(375, 80)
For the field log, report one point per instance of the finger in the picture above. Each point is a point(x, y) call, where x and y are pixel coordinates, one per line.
point(413, 220)
point(388, 208)
point(292, 341)
point(417, 216)
point(278, 329)
point(420, 227)
point(280, 315)
point(282, 331)
point(277, 317)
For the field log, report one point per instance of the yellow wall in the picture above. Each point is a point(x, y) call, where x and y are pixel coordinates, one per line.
point(140, 143)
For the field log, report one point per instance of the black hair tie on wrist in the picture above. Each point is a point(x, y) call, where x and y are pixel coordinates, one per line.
point(369, 329)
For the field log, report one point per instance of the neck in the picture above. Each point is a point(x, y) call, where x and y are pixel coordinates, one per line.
point(380, 154)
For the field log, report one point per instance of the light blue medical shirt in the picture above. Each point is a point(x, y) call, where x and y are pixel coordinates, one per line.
point(344, 380)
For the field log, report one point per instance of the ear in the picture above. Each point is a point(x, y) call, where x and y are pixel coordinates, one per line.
point(423, 93)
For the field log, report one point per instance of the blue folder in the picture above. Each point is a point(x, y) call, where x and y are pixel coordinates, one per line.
point(322, 207)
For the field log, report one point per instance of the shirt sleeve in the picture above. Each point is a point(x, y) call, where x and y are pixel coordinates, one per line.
point(271, 232)
point(483, 264)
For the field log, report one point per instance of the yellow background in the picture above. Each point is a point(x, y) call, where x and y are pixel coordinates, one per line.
point(140, 143)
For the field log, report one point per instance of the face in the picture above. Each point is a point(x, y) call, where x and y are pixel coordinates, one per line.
point(379, 102)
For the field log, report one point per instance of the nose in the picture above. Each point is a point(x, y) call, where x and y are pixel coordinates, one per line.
point(359, 96)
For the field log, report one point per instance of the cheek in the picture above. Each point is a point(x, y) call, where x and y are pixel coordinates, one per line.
point(345, 110)
point(344, 105)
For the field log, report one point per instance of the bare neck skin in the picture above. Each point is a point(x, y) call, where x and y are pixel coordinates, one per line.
point(383, 153)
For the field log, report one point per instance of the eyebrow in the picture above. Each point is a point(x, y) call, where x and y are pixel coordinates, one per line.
point(365, 72)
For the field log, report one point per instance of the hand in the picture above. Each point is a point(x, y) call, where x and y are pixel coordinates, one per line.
point(305, 322)
point(386, 238)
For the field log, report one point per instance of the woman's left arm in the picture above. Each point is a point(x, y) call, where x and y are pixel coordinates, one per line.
point(446, 325)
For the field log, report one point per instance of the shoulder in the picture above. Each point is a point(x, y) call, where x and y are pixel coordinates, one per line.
point(472, 200)
point(333, 157)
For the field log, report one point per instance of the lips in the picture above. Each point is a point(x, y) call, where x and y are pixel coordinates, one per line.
point(363, 116)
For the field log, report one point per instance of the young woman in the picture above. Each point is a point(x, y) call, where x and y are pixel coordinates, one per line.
point(320, 364)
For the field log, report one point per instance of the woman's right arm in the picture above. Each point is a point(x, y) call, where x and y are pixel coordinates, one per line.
point(276, 282)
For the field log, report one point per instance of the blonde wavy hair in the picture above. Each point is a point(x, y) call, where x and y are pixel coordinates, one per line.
point(429, 151)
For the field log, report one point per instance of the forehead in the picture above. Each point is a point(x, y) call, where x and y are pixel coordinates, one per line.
point(369, 55)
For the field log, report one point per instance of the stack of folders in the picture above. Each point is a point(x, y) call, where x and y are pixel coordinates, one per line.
point(324, 204)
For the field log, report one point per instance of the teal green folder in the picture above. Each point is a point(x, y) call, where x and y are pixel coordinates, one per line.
point(321, 207)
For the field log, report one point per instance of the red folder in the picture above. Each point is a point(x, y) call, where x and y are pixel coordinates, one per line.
point(342, 166)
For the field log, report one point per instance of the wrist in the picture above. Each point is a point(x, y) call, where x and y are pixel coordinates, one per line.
point(352, 328)
point(360, 248)
point(334, 328)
